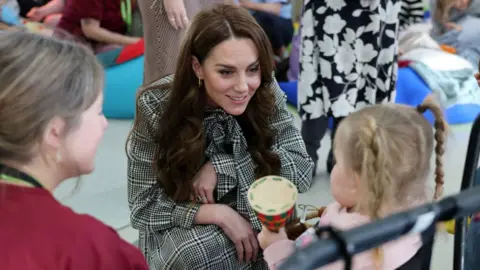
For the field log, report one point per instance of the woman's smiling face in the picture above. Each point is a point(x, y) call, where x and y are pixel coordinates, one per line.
point(231, 74)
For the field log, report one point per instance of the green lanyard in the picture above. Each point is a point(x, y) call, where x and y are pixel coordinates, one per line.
point(126, 9)
point(14, 176)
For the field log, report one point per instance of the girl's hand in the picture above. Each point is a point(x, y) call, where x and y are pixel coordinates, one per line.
point(204, 184)
point(266, 237)
point(177, 15)
point(240, 231)
point(453, 26)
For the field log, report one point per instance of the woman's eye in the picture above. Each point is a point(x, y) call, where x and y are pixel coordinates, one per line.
point(254, 69)
point(225, 72)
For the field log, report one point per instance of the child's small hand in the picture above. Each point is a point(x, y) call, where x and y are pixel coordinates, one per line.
point(266, 237)
point(453, 26)
point(477, 77)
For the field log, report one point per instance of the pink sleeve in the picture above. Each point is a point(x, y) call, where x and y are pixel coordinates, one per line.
point(277, 252)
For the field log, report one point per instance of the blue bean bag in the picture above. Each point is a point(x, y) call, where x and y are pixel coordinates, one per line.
point(411, 90)
point(290, 89)
point(121, 85)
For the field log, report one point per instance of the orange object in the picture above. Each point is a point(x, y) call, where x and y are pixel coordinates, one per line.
point(448, 49)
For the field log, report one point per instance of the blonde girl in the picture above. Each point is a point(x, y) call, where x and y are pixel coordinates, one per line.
point(383, 157)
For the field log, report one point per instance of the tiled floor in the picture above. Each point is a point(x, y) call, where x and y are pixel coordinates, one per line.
point(104, 194)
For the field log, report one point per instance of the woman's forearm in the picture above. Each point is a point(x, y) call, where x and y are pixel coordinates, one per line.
point(55, 6)
point(209, 214)
point(100, 34)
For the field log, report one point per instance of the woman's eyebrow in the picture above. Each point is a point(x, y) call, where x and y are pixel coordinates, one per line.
point(233, 67)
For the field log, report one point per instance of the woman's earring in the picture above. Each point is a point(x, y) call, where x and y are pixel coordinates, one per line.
point(59, 157)
point(199, 83)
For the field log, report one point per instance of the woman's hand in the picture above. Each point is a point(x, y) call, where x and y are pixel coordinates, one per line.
point(266, 237)
point(240, 231)
point(204, 184)
point(177, 15)
point(36, 14)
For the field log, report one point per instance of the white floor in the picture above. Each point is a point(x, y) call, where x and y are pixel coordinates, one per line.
point(104, 194)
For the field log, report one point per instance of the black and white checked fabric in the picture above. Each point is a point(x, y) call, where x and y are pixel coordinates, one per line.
point(168, 237)
point(412, 12)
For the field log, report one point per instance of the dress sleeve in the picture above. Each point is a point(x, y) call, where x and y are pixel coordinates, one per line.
point(224, 166)
point(412, 12)
point(296, 164)
point(151, 209)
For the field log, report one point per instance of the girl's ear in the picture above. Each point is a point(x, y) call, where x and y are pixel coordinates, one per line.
point(356, 186)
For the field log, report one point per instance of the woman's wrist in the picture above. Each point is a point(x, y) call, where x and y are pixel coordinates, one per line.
point(210, 214)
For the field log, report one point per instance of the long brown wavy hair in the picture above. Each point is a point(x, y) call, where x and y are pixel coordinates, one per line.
point(181, 136)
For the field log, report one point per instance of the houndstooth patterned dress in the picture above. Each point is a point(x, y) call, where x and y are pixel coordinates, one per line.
point(168, 236)
point(162, 41)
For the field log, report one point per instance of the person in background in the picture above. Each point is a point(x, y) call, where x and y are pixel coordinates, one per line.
point(164, 23)
point(454, 15)
point(275, 17)
point(348, 60)
point(95, 22)
point(201, 137)
point(51, 123)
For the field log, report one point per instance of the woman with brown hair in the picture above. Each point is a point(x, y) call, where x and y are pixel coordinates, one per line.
point(202, 138)
point(164, 23)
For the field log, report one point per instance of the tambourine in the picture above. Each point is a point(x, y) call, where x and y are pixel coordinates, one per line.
point(273, 199)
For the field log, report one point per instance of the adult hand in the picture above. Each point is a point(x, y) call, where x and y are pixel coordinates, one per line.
point(177, 15)
point(36, 14)
point(204, 184)
point(239, 230)
point(244, 3)
point(477, 77)
point(266, 237)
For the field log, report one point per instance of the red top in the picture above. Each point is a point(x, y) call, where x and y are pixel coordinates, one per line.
point(37, 232)
point(107, 12)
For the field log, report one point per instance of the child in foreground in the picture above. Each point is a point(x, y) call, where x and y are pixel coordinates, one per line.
point(383, 158)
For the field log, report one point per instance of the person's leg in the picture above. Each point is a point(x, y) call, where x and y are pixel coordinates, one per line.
point(331, 157)
point(270, 25)
point(27, 5)
point(286, 30)
point(313, 131)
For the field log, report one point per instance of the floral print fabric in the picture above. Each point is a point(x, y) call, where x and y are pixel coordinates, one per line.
point(348, 55)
